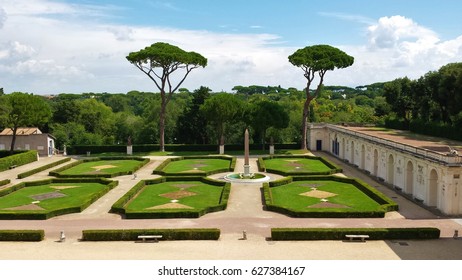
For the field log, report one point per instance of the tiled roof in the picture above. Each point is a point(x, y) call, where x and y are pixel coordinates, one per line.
point(21, 131)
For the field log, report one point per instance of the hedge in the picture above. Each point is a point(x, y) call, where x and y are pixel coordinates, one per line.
point(41, 215)
point(339, 233)
point(119, 206)
point(159, 169)
point(262, 167)
point(57, 172)
point(22, 235)
point(4, 182)
point(44, 167)
point(146, 148)
point(167, 234)
point(7, 153)
point(18, 159)
point(386, 204)
point(426, 128)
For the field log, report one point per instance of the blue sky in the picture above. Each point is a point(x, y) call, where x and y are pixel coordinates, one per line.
point(54, 46)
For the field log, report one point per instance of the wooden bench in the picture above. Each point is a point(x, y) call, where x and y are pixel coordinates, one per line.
point(13, 166)
point(154, 237)
point(363, 237)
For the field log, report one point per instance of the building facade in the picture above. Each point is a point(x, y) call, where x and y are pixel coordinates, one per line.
point(28, 139)
point(430, 174)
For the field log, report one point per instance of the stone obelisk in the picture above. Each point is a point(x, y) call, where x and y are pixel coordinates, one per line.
point(246, 154)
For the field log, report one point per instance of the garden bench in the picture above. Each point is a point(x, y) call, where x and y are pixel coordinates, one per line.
point(357, 236)
point(13, 166)
point(154, 237)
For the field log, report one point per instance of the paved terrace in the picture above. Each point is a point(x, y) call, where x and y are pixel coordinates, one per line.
point(421, 145)
point(244, 212)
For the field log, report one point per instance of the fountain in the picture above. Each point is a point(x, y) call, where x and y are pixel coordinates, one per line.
point(246, 176)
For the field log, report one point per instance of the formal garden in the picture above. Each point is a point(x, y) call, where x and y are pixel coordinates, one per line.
point(308, 189)
point(184, 190)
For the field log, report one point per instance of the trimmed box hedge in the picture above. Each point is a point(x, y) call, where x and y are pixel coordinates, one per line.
point(4, 182)
point(42, 168)
point(146, 148)
point(22, 235)
point(167, 234)
point(295, 234)
point(119, 206)
point(386, 204)
point(18, 159)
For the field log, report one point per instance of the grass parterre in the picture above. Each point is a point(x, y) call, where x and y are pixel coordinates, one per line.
point(326, 196)
point(52, 197)
point(195, 166)
point(101, 167)
point(173, 197)
point(297, 165)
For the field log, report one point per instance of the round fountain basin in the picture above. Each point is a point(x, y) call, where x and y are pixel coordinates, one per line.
point(251, 178)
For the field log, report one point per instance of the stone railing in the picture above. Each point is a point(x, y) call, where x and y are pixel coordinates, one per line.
point(450, 160)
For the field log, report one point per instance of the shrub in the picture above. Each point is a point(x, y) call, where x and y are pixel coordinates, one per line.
point(4, 182)
point(146, 148)
point(339, 233)
point(22, 235)
point(18, 159)
point(44, 167)
point(167, 234)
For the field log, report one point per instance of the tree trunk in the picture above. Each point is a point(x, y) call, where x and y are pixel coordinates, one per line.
point(13, 139)
point(306, 113)
point(163, 108)
point(263, 137)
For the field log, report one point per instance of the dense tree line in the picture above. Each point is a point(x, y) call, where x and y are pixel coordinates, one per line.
point(431, 104)
point(197, 117)
point(202, 116)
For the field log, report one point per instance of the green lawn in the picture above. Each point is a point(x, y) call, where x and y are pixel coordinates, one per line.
point(296, 164)
point(196, 165)
point(50, 197)
point(196, 195)
point(336, 195)
point(103, 167)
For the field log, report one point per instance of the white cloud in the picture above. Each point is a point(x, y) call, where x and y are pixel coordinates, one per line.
point(392, 31)
point(398, 47)
point(14, 51)
point(347, 17)
point(61, 53)
point(3, 17)
point(82, 56)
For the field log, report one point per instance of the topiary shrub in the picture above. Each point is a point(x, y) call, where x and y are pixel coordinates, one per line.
point(22, 235)
point(42, 168)
point(339, 233)
point(17, 159)
point(167, 234)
